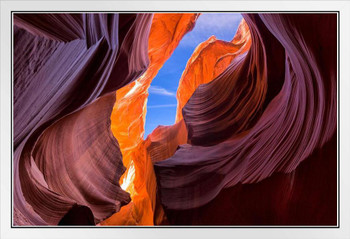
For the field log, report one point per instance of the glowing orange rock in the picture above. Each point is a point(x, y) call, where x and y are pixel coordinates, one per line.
point(128, 116)
point(164, 140)
point(208, 61)
point(128, 120)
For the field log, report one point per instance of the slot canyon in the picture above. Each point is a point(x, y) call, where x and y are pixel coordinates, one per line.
point(254, 133)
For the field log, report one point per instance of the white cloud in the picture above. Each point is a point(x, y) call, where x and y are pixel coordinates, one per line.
point(218, 21)
point(161, 106)
point(160, 91)
point(221, 25)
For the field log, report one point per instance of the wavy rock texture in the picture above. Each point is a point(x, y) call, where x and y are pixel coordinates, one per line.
point(128, 119)
point(262, 117)
point(254, 141)
point(208, 61)
point(66, 70)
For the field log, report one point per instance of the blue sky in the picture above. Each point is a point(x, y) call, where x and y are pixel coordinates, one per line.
point(161, 105)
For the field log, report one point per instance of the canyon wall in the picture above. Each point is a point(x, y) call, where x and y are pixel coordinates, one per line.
point(128, 120)
point(253, 141)
point(66, 71)
point(266, 114)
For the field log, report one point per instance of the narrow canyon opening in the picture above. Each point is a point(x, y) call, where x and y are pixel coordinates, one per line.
point(175, 119)
point(162, 100)
point(185, 50)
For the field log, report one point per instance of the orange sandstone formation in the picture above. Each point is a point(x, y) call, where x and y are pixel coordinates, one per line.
point(140, 178)
point(138, 156)
point(67, 68)
point(208, 61)
point(262, 135)
point(254, 141)
point(128, 119)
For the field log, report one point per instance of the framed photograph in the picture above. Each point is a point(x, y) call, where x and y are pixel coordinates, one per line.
point(174, 119)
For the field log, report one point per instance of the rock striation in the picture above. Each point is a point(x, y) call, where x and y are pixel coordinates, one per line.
point(128, 120)
point(253, 143)
point(264, 115)
point(66, 70)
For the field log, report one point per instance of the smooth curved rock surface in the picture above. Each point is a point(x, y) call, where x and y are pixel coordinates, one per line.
point(265, 114)
point(306, 196)
point(128, 120)
point(254, 141)
point(64, 95)
point(209, 60)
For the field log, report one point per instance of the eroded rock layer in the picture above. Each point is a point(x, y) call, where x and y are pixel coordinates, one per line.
point(209, 60)
point(265, 114)
point(254, 140)
point(67, 69)
point(128, 120)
